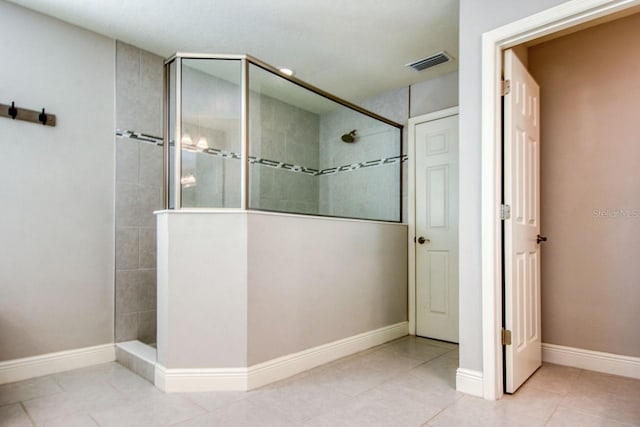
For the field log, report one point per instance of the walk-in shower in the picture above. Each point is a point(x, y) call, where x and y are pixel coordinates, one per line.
point(244, 135)
point(257, 260)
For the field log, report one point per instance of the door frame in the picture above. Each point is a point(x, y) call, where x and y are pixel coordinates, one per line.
point(553, 20)
point(411, 180)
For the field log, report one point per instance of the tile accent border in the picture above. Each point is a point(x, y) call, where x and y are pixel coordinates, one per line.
point(609, 363)
point(51, 363)
point(139, 136)
point(273, 163)
point(185, 380)
point(469, 381)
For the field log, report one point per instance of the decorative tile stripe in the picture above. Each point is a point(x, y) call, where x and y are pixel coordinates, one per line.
point(361, 165)
point(139, 136)
point(274, 163)
point(286, 166)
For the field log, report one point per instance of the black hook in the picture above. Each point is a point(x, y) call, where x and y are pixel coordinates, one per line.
point(13, 111)
point(43, 117)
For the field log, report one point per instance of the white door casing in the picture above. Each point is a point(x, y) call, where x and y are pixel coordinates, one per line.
point(436, 220)
point(521, 249)
point(566, 15)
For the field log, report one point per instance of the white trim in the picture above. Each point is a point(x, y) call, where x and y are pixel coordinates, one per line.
point(51, 363)
point(469, 381)
point(411, 182)
point(184, 380)
point(609, 363)
point(552, 20)
point(205, 379)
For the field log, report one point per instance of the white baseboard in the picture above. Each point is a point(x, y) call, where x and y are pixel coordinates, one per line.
point(183, 380)
point(609, 363)
point(469, 381)
point(51, 363)
point(187, 380)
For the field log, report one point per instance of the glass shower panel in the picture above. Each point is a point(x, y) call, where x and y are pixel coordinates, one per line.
point(308, 152)
point(284, 121)
point(211, 110)
point(360, 167)
point(311, 155)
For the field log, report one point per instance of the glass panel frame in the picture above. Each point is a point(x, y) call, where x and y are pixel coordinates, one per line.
point(173, 163)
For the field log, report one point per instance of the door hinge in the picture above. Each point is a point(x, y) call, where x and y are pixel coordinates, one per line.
point(505, 212)
point(505, 87)
point(506, 337)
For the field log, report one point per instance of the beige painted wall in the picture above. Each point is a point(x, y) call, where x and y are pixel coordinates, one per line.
point(590, 103)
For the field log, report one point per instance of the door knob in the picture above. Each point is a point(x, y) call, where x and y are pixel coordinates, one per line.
point(540, 239)
point(422, 240)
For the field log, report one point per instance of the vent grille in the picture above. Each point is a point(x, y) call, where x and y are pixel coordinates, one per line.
point(430, 61)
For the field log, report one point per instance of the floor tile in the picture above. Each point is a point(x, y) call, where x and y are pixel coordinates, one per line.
point(239, 414)
point(435, 343)
point(530, 402)
point(419, 350)
point(14, 416)
point(113, 374)
point(472, 411)
point(28, 389)
point(350, 378)
point(567, 417)
point(408, 382)
point(599, 402)
point(81, 402)
point(452, 354)
point(622, 387)
point(554, 378)
point(300, 399)
point(439, 374)
point(161, 410)
point(81, 420)
point(384, 359)
point(378, 407)
point(421, 389)
point(211, 400)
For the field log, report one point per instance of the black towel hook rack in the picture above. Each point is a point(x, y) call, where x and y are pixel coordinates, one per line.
point(33, 116)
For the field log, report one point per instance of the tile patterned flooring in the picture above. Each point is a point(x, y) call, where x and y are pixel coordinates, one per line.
point(408, 382)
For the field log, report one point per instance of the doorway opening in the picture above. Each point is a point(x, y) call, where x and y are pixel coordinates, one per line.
point(548, 23)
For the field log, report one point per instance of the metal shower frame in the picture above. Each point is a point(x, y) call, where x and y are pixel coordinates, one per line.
point(245, 61)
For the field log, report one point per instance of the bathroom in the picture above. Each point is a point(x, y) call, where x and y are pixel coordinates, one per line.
point(104, 174)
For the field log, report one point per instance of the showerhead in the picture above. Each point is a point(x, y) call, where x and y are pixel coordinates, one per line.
point(350, 137)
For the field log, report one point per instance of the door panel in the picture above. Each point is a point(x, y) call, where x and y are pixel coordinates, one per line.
point(436, 163)
point(521, 250)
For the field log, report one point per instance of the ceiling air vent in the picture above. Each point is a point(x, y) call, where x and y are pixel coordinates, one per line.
point(430, 61)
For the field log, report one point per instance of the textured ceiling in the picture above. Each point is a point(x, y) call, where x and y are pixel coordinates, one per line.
point(351, 48)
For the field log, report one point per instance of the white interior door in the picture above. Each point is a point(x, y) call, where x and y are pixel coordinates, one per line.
point(521, 230)
point(436, 210)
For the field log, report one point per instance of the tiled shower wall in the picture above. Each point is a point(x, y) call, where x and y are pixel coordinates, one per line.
point(288, 134)
point(139, 77)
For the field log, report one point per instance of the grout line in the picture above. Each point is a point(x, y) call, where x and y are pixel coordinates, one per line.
point(443, 409)
point(24, 408)
point(55, 380)
point(93, 419)
point(548, 420)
